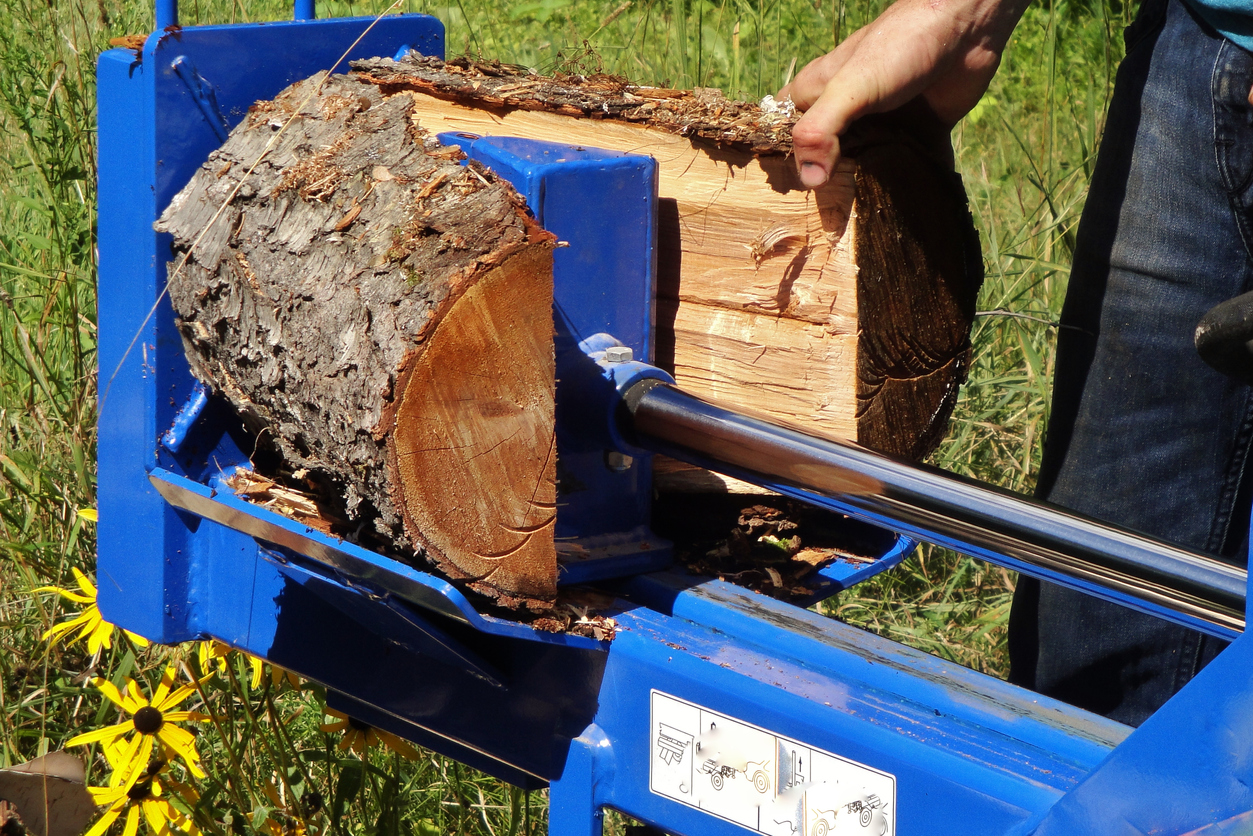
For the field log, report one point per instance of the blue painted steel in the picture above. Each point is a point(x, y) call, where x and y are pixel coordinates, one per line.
point(603, 284)
point(844, 573)
point(304, 10)
point(601, 386)
point(371, 573)
point(1186, 767)
point(152, 136)
point(186, 418)
point(437, 667)
point(166, 14)
point(970, 754)
point(202, 93)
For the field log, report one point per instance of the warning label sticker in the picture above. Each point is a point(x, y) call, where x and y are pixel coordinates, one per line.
point(761, 780)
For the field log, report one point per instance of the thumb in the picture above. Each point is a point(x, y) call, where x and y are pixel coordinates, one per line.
point(816, 140)
point(816, 135)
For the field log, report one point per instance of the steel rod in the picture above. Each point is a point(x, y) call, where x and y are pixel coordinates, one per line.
point(1186, 587)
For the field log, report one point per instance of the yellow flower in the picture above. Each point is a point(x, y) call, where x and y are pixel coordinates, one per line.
point(88, 623)
point(288, 828)
point(154, 721)
point(141, 795)
point(283, 820)
point(359, 736)
point(280, 675)
point(213, 653)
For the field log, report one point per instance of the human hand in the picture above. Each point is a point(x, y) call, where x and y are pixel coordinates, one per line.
point(942, 52)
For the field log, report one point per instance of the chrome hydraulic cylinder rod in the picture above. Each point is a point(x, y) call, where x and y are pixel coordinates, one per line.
point(926, 503)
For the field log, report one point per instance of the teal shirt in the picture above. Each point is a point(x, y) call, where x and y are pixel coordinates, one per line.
point(1233, 18)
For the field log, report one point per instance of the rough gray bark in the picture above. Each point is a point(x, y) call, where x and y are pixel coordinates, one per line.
point(309, 301)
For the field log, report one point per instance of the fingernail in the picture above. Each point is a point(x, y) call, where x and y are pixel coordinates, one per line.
point(812, 175)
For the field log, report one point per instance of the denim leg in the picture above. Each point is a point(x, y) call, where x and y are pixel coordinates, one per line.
point(1142, 433)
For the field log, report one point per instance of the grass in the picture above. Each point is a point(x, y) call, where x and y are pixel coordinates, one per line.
point(1025, 153)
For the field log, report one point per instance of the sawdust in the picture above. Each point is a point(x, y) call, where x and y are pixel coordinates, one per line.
point(282, 499)
point(577, 613)
point(774, 547)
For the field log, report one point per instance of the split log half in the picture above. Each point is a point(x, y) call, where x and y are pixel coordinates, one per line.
point(381, 315)
point(847, 309)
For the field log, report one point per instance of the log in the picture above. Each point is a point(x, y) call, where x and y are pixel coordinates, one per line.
point(847, 309)
point(381, 315)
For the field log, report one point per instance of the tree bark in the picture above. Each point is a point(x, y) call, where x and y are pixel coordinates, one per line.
point(381, 315)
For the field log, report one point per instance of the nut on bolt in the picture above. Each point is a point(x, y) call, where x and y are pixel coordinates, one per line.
point(619, 354)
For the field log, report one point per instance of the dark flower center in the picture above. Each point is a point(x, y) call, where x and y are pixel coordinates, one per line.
point(148, 720)
point(142, 791)
point(312, 801)
point(358, 725)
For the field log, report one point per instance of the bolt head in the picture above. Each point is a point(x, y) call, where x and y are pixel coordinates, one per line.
point(619, 354)
point(618, 462)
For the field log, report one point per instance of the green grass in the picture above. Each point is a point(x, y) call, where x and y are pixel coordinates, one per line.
point(1025, 154)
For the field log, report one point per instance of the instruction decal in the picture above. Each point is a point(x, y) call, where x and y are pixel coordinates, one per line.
point(760, 780)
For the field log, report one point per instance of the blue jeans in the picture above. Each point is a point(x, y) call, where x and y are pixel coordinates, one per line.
point(1141, 432)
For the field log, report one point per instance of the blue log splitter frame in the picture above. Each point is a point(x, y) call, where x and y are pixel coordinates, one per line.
point(715, 710)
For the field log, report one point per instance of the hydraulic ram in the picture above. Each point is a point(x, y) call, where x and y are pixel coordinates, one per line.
point(1044, 541)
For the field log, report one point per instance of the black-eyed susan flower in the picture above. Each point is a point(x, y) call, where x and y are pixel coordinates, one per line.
point(359, 736)
point(151, 721)
point(139, 796)
point(284, 819)
point(214, 654)
point(87, 624)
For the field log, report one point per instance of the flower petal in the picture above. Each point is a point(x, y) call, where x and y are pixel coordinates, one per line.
point(101, 636)
point(84, 584)
point(136, 638)
point(183, 744)
point(154, 812)
point(186, 716)
point(167, 682)
point(66, 593)
point(129, 760)
point(110, 815)
point(132, 821)
point(57, 630)
point(112, 693)
point(107, 733)
point(397, 745)
point(135, 698)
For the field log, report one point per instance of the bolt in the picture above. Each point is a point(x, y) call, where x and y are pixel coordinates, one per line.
point(619, 354)
point(618, 462)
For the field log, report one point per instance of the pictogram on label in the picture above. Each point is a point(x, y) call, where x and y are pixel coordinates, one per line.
point(760, 780)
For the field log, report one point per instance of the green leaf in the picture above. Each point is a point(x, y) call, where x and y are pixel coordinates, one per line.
point(426, 827)
point(259, 814)
point(349, 785)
